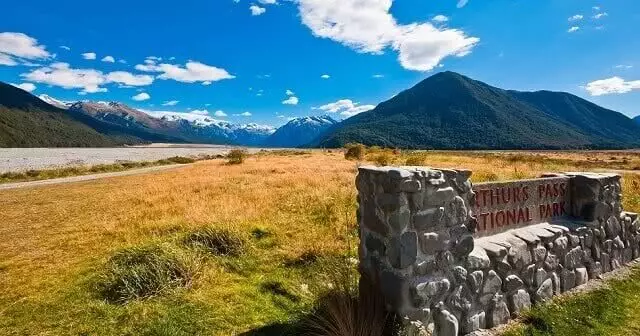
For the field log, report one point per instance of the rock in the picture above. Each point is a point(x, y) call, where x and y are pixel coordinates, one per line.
point(410, 186)
point(445, 260)
point(475, 281)
point(399, 219)
point(426, 267)
point(399, 174)
point(555, 280)
point(446, 324)
point(519, 301)
point(393, 287)
point(441, 197)
point(433, 291)
point(567, 279)
point(478, 259)
point(475, 322)
point(428, 219)
point(581, 276)
point(372, 219)
point(561, 244)
point(544, 235)
point(498, 313)
point(493, 250)
point(605, 260)
point(612, 227)
point(527, 236)
point(528, 275)
point(595, 270)
point(432, 242)
point(373, 244)
point(519, 255)
point(539, 254)
point(460, 300)
point(492, 283)
point(573, 258)
point(574, 240)
point(540, 277)
point(403, 250)
point(512, 283)
point(545, 291)
point(392, 202)
point(459, 274)
point(502, 267)
point(551, 262)
point(464, 247)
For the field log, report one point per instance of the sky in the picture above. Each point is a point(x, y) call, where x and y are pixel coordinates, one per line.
point(266, 61)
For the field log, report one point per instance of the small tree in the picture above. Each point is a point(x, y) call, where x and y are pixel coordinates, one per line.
point(355, 151)
point(237, 156)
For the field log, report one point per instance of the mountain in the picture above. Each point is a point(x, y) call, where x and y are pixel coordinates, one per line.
point(27, 121)
point(451, 111)
point(300, 131)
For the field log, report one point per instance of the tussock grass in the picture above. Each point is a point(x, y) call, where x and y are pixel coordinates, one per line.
point(142, 272)
point(221, 242)
point(355, 151)
point(237, 156)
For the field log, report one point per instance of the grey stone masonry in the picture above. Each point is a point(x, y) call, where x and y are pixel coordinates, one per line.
point(423, 249)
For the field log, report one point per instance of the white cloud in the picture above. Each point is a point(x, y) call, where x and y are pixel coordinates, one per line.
point(65, 48)
point(596, 8)
point(200, 112)
point(122, 61)
point(89, 56)
point(289, 93)
point(600, 15)
point(325, 76)
point(346, 107)
point(462, 3)
point(141, 96)
point(378, 76)
point(440, 18)
point(128, 78)
point(109, 59)
point(171, 103)
point(573, 29)
point(623, 66)
point(257, 10)
point(575, 18)
point(268, 2)
point(29, 87)
point(611, 85)
point(17, 47)
point(60, 74)
point(219, 113)
point(243, 114)
point(367, 26)
point(192, 72)
point(292, 100)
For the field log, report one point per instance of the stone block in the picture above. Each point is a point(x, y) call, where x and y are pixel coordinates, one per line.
point(400, 219)
point(446, 324)
point(498, 313)
point(545, 291)
point(475, 322)
point(518, 301)
point(581, 276)
point(492, 283)
point(429, 219)
point(512, 283)
point(403, 250)
point(478, 259)
point(567, 279)
point(434, 242)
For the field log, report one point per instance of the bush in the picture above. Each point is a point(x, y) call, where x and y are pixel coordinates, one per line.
point(355, 151)
point(383, 159)
point(415, 160)
point(217, 241)
point(142, 272)
point(181, 160)
point(237, 156)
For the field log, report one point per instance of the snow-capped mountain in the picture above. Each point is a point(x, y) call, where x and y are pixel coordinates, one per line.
point(55, 102)
point(300, 131)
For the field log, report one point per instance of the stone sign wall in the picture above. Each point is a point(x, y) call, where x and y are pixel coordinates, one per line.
point(452, 258)
point(502, 206)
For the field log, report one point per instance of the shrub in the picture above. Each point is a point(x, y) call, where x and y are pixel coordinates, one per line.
point(355, 151)
point(217, 241)
point(415, 160)
point(142, 272)
point(181, 159)
point(237, 156)
point(383, 159)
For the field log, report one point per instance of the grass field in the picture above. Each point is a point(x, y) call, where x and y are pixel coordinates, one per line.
point(240, 246)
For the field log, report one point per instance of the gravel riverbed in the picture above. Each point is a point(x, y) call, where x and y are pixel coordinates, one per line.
point(21, 159)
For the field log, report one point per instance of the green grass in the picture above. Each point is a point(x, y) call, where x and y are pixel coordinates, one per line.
point(612, 310)
point(45, 174)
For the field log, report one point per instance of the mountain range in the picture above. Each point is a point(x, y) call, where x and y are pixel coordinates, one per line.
point(444, 111)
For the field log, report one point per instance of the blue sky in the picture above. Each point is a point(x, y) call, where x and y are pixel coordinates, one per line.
point(239, 56)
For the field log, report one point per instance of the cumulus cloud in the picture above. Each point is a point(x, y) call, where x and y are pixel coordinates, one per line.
point(289, 93)
point(367, 26)
point(462, 3)
point(18, 47)
point(29, 87)
point(191, 72)
point(60, 74)
point(575, 18)
point(611, 85)
point(325, 76)
point(623, 66)
point(141, 96)
point(243, 114)
point(573, 29)
point(219, 113)
point(268, 2)
point(171, 103)
point(127, 78)
point(292, 100)
point(600, 15)
point(440, 18)
point(378, 76)
point(89, 55)
point(257, 10)
point(109, 59)
point(346, 107)
point(200, 112)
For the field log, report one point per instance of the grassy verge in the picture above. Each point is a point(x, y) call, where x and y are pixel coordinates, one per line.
point(611, 310)
point(45, 174)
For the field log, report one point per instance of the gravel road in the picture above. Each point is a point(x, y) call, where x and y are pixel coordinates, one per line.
point(21, 159)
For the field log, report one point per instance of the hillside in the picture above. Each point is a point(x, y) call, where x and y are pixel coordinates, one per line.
point(451, 111)
point(26, 121)
point(300, 131)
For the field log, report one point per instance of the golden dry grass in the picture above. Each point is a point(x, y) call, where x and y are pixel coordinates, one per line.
point(55, 240)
